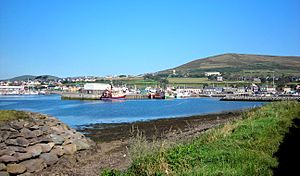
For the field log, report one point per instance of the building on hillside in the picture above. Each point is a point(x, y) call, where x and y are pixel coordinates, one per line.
point(220, 79)
point(213, 90)
point(257, 80)
point(174, 72)
point(255, 88)
point(190, 90)
point(287, 90)
point(268, 89)
point(241, 90)
point(95, 88)
point(230, 90)
point(7, 90)
point(212, 74)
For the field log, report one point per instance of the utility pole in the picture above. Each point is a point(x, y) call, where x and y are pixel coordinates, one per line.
point(273, 80)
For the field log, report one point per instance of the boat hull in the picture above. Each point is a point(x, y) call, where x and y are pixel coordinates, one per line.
point(123, 97)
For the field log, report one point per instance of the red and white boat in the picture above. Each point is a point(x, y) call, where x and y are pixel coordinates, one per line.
point(112, 95)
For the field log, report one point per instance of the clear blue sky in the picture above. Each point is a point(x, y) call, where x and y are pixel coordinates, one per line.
point(108, 37)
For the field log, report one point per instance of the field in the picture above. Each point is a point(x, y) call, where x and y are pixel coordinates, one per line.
point(139, 82)
point(187, 80)
point(196, 82)
point(243, 147)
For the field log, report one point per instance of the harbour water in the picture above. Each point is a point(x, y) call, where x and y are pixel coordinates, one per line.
point(78, 112)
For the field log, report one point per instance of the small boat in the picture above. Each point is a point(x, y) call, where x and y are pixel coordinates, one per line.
point(169, 96)
point(31, 93)
point(183, 95)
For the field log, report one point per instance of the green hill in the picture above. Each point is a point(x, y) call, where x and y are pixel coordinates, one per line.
point(237, 63)
point(31, 77)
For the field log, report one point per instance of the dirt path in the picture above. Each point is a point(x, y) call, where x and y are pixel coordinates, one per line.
point(111, 148)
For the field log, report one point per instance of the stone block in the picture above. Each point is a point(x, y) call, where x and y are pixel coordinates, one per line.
point(18, 149)
point(14, 134)
point(34, 127)
point(81, 145)
point(34, 141)
point(67, 141)
point(17, 125)
point(4, 135)
point(45, 138)
point(47, 147)
point(34, 165)
point(2, 173)
point(2, 146)
point(57, 139)
point(37, 132)
point(56, 130)
point(27, 133)
point(15, 168)
point(49, 158)
point(7, 151)
point(58, 150)
point(2, 167)
point(7, 159)
point(70, 149)
point(34, 150)
point(20, 141)
point(23, 156)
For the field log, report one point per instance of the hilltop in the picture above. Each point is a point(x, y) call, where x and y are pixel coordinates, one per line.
point(32, 77)
point(237, 63)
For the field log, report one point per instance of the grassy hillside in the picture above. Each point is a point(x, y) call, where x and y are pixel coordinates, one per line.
point(243, 147)
point(233, 63)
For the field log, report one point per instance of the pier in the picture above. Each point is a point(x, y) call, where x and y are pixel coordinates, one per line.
point(83, 96)
point(79, 96)
point(257, 98)
point(136, 96)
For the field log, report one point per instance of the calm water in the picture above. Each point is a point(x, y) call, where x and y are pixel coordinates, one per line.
point(77, 112)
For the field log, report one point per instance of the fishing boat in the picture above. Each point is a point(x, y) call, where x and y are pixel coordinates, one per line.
point(110, 95)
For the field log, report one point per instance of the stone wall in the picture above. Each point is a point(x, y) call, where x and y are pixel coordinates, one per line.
point(28, 146)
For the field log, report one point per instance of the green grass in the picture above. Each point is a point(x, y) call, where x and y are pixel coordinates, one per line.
point(187, 80)
point(7, 115)
point(200, 82)
point(243, 147)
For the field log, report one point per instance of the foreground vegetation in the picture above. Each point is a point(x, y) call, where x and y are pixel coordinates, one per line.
point(7, 115)
point(243, 147)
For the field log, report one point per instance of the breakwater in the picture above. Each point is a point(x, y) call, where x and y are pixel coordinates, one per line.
point(256, 98)
point(82, 96)
point(79, 96)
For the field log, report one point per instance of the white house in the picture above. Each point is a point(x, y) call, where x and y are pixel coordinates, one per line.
point(287, 90)
point(95, 88)
point(212, 73)
point(220, 78)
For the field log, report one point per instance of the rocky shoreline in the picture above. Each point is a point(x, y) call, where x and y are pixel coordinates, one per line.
point(52, 148)
point(35, 143)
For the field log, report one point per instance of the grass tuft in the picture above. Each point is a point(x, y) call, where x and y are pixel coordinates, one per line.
point(8, 115)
